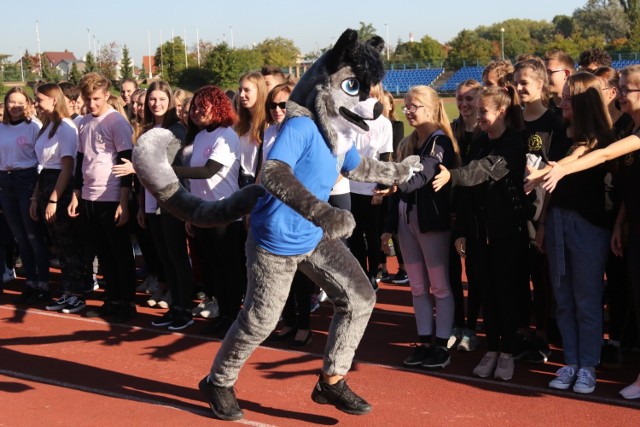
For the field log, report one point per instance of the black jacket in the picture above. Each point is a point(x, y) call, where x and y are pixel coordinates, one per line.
point(494, 206)
point(434, 209)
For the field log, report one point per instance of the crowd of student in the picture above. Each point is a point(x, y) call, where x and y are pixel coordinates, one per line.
point(536, 251)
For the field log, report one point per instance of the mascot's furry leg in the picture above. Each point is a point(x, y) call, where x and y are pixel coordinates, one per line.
point(332, 267)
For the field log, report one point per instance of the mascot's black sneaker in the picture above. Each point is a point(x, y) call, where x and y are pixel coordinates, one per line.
point(340, 396)
point(222, 400)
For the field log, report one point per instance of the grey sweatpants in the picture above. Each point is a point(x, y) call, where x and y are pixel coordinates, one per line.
point(332, 267)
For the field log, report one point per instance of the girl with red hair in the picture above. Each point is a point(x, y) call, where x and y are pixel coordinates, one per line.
point(213, 175)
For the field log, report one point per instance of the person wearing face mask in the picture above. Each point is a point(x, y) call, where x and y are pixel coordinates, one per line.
point(18, 177)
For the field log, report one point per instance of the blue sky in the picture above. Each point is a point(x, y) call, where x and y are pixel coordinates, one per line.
point(76, 25)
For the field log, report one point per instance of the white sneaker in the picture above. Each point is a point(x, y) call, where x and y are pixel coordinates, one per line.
point(165, 301)
point(586, 382)
point(9, 275)
point(454, 339)
point(565, 378)
point(631, 391)
point(322, 296)
point(208, 308)
point(156, 296)
point(487, 365)
point(469, 341)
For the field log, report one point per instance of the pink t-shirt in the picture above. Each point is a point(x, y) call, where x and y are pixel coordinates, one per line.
point(101, 139)
point(17, 145)
point(64, 143)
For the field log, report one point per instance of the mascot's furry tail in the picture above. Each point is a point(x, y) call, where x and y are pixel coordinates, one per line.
point(157, 176)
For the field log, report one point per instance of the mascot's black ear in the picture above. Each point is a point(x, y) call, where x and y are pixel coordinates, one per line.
point(346, 42)
point(377, 43)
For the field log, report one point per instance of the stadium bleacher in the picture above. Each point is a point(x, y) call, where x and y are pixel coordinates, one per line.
point(461, 75)
point(399, 81)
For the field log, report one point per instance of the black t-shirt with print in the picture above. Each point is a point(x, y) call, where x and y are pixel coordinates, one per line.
point(547, 137)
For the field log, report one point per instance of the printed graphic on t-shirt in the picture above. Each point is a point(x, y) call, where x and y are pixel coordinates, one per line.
point(207, 152)
point(534, 143)
point(22, 141)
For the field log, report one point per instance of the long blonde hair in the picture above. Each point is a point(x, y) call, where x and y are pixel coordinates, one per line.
point(255, 123)
point(433, 105)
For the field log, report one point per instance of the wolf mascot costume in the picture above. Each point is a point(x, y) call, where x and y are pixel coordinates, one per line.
point(293, 227)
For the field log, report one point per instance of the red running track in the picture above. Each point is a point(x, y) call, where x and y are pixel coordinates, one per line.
point(59, 369)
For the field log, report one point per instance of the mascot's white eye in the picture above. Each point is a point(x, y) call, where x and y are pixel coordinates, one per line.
point(351, 86)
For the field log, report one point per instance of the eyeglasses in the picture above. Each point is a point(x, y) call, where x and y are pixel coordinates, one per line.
point(624, 91)
point(274, 105)
point(411, 108)
point(550, 72)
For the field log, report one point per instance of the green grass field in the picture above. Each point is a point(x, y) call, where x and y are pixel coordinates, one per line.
point(449, 106)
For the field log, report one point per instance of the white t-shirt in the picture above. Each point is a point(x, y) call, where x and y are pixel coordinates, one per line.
point(248, 153)
point(270, 135)
point(220, 145)
point(101, 139)
point(377, 141)
point(17, 145)
point(64, 143)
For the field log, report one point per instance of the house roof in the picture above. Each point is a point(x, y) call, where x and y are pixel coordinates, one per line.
point(56, 57)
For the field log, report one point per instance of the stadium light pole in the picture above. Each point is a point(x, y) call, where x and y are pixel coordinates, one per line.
point(502, 41)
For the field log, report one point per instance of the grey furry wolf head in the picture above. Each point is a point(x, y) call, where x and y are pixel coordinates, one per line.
point(334, 91)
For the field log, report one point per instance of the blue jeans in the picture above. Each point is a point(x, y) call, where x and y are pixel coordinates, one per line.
point(577, 253)
point(16, 189)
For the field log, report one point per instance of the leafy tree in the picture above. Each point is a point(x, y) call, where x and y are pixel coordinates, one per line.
point(90, 63)
point(47, 72)
point(74, 74)
point(564, 25)
point(227, 64)
point(108, 60)
point(602, 18)
point(426, 50)
point(171, 57)
point(467, 46)
point(126, 70)
point(366, 31)
point(279, 51)
point(193, 78)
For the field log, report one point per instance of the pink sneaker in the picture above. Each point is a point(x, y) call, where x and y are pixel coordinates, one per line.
point(631, 391)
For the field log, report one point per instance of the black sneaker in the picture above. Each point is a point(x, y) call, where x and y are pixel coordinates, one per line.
point(222, 400)
point(340, 396)
point(74, 305)
point(181, 320)
point(125, 313)
point(374, 283)
point(611, 357)
point(58, 304)
point(167, 319)
point(105, 310)
point(420, 353)
point(38, 295)
point(522, 347)
point(26, 294)
point(438, 357)
point(539, 351)
point(400, 278)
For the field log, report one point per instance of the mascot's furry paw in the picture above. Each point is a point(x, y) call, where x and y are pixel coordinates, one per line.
point(156, 174)
point(336, 223)
point(408, 167)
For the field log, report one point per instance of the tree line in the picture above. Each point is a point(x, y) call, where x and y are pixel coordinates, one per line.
point(613, 25)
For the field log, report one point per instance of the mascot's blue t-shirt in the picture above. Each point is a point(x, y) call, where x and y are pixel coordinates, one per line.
point(275, 226)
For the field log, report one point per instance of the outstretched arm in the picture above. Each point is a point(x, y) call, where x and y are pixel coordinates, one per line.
point(387, 173)
point(619, 148)
point(489, 168)
point(279, 180)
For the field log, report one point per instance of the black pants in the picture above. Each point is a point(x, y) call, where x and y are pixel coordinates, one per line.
point(66, 235)
point(113, 246)
point(365, 240)
point(498, 266)
point(224, 265)
point(171, 238)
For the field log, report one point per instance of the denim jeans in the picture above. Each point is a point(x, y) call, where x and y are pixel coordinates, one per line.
point(577, 253)
point(16, 189)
